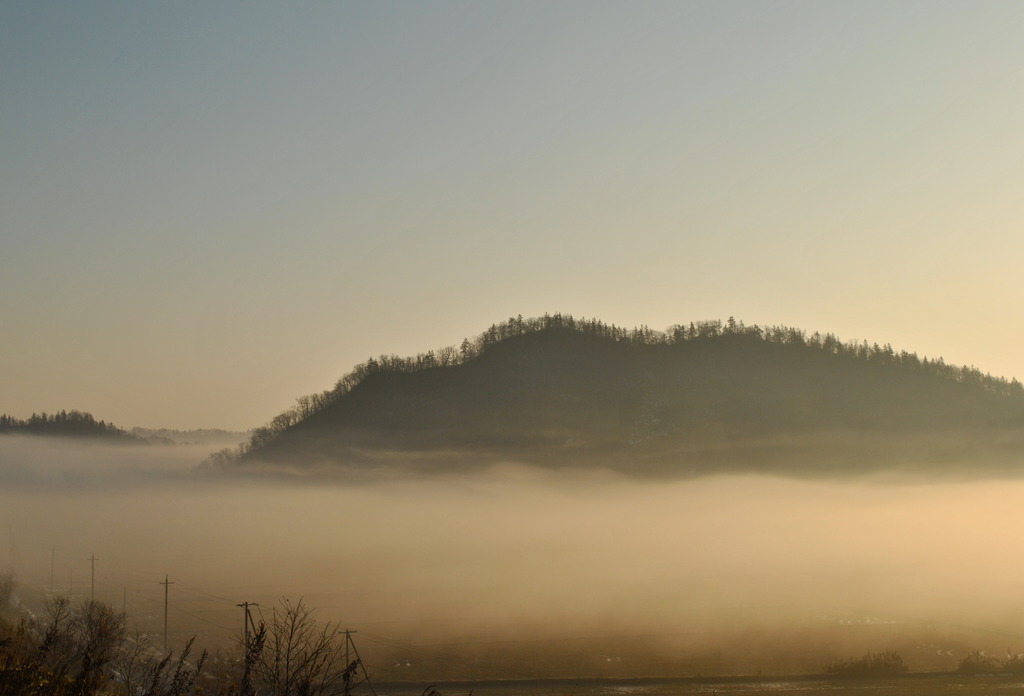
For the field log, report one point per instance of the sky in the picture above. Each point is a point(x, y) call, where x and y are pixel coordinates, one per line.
point(210, 209)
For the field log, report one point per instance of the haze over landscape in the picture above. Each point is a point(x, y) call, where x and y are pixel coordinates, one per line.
point(530, 340)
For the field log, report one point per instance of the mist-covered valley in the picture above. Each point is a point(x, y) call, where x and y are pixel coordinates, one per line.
point(517, 572)
point(575, 339)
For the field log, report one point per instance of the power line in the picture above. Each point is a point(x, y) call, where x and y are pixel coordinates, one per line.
point(210, 595)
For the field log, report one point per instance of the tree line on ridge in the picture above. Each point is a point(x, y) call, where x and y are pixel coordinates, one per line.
point(676, 335)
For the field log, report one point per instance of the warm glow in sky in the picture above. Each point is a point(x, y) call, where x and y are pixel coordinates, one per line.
point(209, 209)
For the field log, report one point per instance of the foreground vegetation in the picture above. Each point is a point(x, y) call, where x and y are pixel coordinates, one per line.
point(977, 662)
point(888, 663)
point(87, 650)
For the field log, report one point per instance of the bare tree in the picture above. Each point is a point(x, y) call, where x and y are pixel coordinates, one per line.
point(299, 657)
point(143, 672)
point(7, 585)
point(132, 661)
point(97, 631)
point(67, 652)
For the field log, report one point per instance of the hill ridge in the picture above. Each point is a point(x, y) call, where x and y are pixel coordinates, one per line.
point(65, 423)
point(558, 390)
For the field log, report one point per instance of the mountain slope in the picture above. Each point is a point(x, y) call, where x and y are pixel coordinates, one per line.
point(707, 397)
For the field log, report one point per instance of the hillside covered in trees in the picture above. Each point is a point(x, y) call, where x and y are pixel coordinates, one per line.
point(64, 424)
point(701, 398)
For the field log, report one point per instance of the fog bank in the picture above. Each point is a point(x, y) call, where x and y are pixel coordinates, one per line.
point(724, 573)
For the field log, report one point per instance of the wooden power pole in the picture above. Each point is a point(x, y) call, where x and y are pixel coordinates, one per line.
point(248, 629)
point(166, 583)
point(351, 677)
point(92, 577)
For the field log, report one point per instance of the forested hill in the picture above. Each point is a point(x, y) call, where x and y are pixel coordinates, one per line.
point(699, 398)
point(64, 424)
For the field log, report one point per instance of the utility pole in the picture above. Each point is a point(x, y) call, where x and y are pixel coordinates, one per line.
point(248, 623)
point(248, 619)
point(53, 558)
point(166, 583)
point(92, 578)
point(352, 667)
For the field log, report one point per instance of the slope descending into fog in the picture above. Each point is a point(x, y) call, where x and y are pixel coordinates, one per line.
point(562, 397)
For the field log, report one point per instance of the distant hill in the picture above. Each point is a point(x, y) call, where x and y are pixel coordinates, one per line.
point(204, 436)
point(695, 399)
point(65, 424)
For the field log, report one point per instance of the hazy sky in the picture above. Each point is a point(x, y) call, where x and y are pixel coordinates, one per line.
point(209, 209)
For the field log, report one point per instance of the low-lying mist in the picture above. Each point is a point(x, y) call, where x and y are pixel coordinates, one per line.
point(520, 573)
